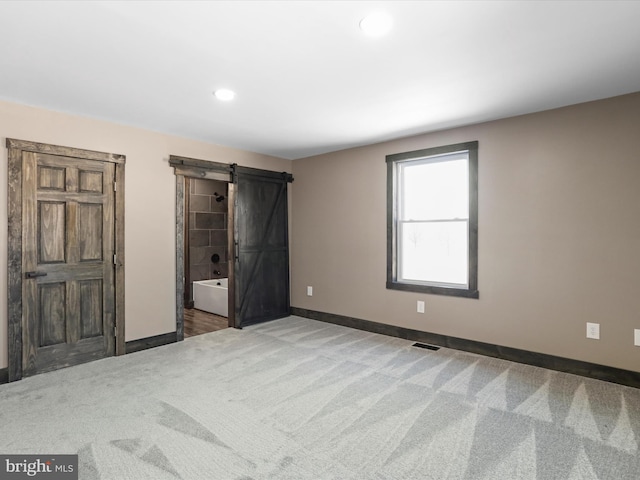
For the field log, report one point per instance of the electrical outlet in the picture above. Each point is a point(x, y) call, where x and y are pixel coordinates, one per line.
point(420, 306)
point(593, 331)
point(636, 337)
point(309, 291)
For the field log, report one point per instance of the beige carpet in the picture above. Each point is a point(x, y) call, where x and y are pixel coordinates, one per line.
point(300, 399)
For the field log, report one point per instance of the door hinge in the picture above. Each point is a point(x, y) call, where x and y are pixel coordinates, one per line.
point(115, 331)
point(114, 259)
point(115, 186)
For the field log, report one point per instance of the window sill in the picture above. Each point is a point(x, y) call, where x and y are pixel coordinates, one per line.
point(452, 292)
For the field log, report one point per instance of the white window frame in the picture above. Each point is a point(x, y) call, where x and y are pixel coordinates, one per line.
point(396, 165)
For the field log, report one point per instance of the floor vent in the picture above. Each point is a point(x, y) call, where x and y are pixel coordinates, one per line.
point(428, 347)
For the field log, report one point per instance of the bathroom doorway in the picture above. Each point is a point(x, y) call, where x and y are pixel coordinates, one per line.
point(257, 254)
point(206, 256)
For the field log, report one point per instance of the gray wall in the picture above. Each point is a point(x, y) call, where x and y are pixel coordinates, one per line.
point(559, 234)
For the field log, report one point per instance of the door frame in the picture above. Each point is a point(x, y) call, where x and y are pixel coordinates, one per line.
point(185, 167)
point(15, 247)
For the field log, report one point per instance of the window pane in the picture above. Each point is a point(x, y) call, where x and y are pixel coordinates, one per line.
point(434, 252)
point(435, 190)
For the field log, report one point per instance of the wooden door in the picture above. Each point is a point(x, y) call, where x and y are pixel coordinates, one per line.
point(261, 246)
point(68, 238)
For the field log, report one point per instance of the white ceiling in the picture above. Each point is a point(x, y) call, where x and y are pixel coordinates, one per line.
point(307, 80)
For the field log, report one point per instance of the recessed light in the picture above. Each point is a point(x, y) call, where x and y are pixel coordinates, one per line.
point(225, 94)
point(376, 24)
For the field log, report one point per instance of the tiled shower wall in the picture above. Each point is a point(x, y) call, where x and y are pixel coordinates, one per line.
point(207, 229)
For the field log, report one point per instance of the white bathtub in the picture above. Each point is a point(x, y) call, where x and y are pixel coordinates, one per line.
point(212, 296)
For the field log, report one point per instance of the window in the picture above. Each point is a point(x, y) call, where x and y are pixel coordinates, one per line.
point(432, 220)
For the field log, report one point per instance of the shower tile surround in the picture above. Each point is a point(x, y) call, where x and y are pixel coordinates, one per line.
point(207, 229)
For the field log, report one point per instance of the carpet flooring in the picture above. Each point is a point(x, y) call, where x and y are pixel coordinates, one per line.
point(301, 399)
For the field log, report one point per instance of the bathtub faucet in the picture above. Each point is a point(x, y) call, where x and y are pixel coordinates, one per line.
point(217, 272)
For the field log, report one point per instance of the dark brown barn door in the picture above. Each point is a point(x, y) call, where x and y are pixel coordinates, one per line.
point(68, 289)
point(261, 246)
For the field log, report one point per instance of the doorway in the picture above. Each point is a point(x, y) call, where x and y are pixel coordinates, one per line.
point(205, 256)
point(257, 240)
point(66, 257)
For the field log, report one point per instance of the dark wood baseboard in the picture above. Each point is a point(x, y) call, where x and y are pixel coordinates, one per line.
point(560, 364)
point(4, 375)
point(150, 342)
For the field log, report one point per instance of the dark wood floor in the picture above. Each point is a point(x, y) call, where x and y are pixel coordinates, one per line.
point(197, 322)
